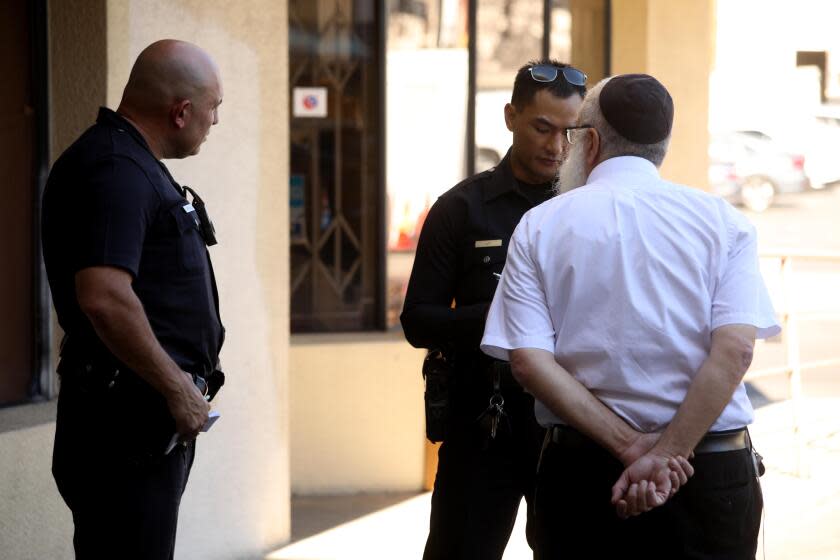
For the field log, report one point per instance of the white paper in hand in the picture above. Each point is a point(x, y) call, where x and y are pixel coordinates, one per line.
point(211, 419)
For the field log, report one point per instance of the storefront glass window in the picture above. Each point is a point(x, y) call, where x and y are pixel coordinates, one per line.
point(336, 160)
point(427, 78)
point(561, 31)
point(510, 33)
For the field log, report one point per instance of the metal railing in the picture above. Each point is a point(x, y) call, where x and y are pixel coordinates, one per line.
point(791, 319)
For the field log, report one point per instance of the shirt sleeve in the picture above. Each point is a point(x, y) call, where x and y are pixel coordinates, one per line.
point(428, 318)
point(741, 296)
point(116, 203)
point(519, 316)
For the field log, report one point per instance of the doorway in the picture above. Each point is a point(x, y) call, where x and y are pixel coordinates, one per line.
point(22, 166)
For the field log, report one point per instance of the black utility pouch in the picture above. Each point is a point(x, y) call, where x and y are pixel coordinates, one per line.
point(437, 372)
point(215, 380)
point(758, 464)
point(208, 231)
point(757, 459)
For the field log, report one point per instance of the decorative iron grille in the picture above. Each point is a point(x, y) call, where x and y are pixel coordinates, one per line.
point(336, 188)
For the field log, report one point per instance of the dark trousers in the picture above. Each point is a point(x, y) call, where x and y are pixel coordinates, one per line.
point(716, 515)
point(480, 482)
point(124, 501)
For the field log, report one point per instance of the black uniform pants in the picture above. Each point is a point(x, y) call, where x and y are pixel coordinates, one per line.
point(124, 503)
point(716, 515)
point(481, 482)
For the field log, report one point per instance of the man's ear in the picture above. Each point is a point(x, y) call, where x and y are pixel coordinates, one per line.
point(594, 148)
point(510, 116)
point(179, 113)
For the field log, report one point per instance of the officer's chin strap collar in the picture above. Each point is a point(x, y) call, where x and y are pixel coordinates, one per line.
point(208, 232)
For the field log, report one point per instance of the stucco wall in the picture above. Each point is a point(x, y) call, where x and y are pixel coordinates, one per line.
point(34, 522)
point(77, 68)
point(237, 502)
point(238, 498)
point(357, 422)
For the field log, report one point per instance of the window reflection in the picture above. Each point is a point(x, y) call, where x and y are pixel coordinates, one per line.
point(510, 33)
point(561, 32)
point(427, 74)
point(427, 97)
point(335, 155)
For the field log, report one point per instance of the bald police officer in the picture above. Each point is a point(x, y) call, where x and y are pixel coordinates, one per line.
point(134, 290)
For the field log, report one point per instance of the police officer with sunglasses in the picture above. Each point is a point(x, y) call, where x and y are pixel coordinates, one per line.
point(491, 441)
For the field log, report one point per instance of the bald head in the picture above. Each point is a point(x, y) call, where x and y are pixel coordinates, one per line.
point(168, 71)
point(172, 96)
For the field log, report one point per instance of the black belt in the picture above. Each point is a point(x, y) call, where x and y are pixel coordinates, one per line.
point(712, 442)
point(717, 442)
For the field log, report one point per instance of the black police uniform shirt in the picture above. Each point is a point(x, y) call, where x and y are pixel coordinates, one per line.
point(460, 253)
point(110, 202)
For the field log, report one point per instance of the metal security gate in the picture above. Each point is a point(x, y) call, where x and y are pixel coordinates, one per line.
point(336, 184)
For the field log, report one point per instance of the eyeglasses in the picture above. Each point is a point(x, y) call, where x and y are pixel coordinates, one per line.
point(547, 73)
point(568, 130)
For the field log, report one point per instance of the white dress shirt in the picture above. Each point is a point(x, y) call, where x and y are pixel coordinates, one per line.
point(624, 280)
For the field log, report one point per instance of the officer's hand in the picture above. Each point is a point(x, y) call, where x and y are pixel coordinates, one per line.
point(189, 409)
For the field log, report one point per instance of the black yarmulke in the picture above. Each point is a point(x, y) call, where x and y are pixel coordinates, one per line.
point(638, 107)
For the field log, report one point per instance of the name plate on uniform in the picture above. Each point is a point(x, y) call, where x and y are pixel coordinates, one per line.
point(488, 243)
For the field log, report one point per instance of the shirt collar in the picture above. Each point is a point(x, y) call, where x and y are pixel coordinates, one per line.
point(623, 165)
point(503, 181)
point(112, 118)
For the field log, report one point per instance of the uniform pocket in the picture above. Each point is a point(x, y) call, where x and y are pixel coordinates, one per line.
point(191, 251)
point(486, 263)
point(482, 270)
point(490, 258)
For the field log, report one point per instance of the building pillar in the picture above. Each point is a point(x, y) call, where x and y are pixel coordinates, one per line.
point(589, 38)
point(675, 42)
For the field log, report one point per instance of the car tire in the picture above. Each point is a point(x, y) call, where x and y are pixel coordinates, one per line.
point(757, 193)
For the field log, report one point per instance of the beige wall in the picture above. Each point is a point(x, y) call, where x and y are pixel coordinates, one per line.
point(589, 37)
point(34, 522)
point(237, 501)
point(240, 482)
point(673, 41)
point(357, 422)
point(78, 70)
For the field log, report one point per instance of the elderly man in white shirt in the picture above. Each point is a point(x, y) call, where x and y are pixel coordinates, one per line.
point(629, 308)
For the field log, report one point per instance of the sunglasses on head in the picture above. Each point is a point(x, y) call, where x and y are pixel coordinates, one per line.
point(547, 73)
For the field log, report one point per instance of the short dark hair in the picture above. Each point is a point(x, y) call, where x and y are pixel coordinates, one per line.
point(525, 87)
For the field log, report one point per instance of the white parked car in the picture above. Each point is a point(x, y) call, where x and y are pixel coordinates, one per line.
point(750, 168)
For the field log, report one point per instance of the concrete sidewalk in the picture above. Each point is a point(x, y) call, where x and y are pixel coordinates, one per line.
point(802, 512)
